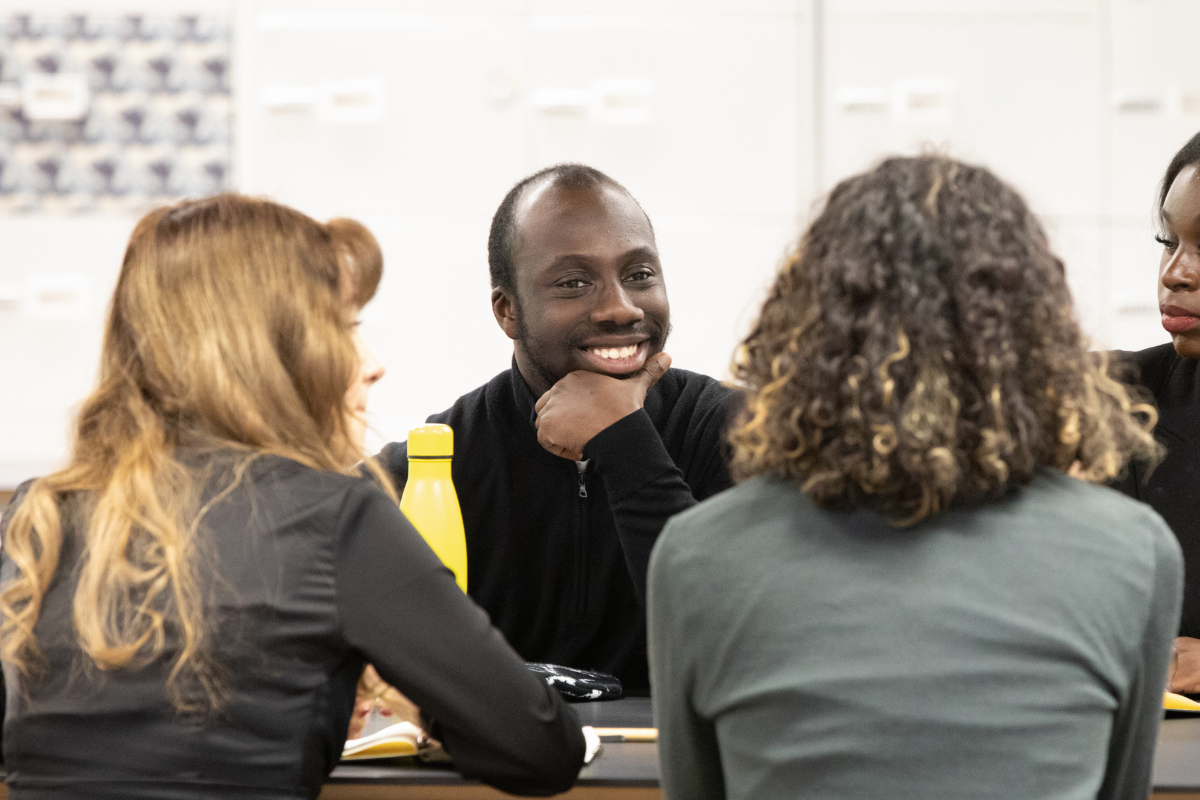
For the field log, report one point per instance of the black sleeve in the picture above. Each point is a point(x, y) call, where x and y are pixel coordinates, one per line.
point(402, 610)
point(394, 460)
point(645, 487)
point(1145, 373)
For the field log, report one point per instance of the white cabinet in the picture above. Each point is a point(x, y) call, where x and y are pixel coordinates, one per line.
point(417, 118)
point(704, 112)
point(356, 107)
point(1153, 108)
point(725, 118)
point(698, 113)
point(1013, 85)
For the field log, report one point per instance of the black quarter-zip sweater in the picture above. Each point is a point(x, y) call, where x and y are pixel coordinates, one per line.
point(557, 550)
point(1173, 487)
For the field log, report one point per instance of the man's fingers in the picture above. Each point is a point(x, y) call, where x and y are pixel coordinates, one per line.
point(562, 452)
point(1185, 675)
point(545, 398)
point(557, 449)
point(655, 367)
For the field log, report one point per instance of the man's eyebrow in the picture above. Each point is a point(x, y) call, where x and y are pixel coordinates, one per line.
point(571, 259)
point(581, 259)
point(642, 252)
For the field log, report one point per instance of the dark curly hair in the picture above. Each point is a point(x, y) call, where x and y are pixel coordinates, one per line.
point(919, 351)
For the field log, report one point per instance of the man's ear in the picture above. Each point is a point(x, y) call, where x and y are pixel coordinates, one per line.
point(504, 308)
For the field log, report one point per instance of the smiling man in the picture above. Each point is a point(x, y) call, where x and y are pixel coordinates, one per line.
point(568, 464)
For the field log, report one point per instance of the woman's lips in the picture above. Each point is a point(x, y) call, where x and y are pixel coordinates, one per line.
point(1178, 320)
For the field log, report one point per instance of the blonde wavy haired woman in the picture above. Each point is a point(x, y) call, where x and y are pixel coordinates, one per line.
point(926, 604)
point(188, 604)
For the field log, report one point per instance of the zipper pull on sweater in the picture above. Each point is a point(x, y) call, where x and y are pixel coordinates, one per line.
point(582, 467)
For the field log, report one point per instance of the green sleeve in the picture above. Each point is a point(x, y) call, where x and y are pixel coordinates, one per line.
point(687, 742)
point(1135, 728)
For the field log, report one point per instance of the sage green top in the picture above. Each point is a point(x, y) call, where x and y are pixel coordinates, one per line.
point(1016, 650)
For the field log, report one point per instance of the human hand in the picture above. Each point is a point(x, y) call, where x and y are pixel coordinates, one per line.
point(584, 403)
point(1184, 675)
point(373, 693)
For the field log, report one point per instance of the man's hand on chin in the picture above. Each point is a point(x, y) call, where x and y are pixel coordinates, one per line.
point(584, 403)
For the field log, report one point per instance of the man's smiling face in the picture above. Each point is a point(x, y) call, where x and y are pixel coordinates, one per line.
point(589, 286)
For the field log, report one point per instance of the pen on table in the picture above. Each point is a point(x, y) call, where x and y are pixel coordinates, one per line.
point(627, 734)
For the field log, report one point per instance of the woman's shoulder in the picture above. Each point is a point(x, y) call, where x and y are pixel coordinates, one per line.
point(274, 489)
point(1151, 367)
point(1100, 515)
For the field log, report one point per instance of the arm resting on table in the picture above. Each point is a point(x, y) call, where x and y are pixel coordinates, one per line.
point(403, 611)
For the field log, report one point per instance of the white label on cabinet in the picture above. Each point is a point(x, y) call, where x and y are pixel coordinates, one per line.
point(623, 102)
point(62, 296)
point(352, 101)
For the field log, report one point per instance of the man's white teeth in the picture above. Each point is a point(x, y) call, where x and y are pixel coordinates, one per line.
point(614, 352)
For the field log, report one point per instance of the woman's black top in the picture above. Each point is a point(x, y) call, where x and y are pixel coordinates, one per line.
point(307, 575)
point(1173, 487)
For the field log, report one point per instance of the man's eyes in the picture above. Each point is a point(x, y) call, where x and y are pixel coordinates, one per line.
point(637, 276)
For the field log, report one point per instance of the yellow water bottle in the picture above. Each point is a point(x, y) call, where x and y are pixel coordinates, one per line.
point(429, 500)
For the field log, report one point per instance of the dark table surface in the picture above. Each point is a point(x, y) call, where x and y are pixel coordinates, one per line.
point(1177, 759)
point(1176, 762)
point(632, 764)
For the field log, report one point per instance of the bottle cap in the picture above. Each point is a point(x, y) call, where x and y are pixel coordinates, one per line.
point(431, 441)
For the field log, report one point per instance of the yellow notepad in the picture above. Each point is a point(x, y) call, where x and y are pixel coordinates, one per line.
point(1177, 702)
point(393, 741)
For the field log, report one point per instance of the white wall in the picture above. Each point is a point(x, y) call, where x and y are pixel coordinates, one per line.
point(725, 118)
point(716, 150)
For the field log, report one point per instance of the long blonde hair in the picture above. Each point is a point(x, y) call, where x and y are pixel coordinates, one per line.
point(226, 330)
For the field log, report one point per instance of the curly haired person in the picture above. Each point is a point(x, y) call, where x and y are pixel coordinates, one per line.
point(906, 595)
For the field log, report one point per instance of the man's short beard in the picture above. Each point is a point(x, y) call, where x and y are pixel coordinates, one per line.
point(543, 373)
point(658, 337)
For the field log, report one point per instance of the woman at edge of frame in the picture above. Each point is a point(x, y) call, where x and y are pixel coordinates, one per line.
point(188, 605)
point(1169, 372)
point(929, 606)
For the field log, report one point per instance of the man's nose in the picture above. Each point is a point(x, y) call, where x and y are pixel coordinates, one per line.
point(1182, 272)
point(615, 306)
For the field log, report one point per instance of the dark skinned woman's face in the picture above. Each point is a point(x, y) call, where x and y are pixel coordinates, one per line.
point(1179, 269)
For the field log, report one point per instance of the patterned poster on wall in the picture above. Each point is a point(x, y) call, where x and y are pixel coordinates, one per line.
point(112, 112)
